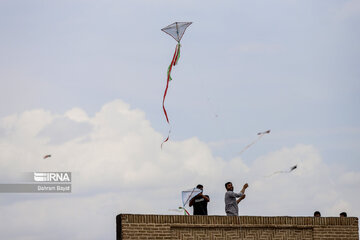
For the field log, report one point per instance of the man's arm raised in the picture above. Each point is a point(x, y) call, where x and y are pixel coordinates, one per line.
point(207, 199)
point(240, 198)
point(243, 193)
point(244, 188)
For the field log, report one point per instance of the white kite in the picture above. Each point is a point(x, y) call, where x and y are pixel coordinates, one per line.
point(187, 195)
point(260, 135)
point(176, 31)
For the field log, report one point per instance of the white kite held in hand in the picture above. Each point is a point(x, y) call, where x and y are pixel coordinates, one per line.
point(187, 195)
point(260, 135)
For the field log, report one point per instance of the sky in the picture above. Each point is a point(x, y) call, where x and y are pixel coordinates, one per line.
point(84, 81)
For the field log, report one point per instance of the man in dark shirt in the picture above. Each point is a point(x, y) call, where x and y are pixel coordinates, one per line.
point(199, 202)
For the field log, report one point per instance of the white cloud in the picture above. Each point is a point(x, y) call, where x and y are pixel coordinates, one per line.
point(350, 178)
point(63, 129)
point(118, 166)
point(77, 114)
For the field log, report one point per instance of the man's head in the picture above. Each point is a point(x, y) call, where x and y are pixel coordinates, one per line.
point(199, 186)
point(317, 214)
point(343, 214)
point(229, 186)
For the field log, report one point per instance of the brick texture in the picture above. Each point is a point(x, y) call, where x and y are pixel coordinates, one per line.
point(131, 226)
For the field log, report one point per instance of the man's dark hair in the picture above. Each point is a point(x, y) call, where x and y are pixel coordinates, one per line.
point(317, 213)
point(199, 186)
point(343, 214)
point(227, 184)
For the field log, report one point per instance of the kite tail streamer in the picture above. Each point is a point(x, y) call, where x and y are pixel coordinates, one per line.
point(178, 54)
point(168, 136)
point(174, 61)
point(186, 212)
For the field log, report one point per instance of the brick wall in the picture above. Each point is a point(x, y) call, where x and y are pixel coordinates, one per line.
point(131, 226)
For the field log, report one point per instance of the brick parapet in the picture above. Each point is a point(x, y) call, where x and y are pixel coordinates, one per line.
point(133, 226)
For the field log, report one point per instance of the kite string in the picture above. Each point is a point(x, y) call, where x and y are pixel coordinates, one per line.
point(245, 148)
point(277, 172)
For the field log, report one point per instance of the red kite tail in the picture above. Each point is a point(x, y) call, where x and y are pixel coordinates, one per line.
point(173, 63)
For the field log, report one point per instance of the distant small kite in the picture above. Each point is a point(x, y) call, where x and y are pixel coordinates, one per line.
point(47, 156)
point(288, 171)
point(260, 134)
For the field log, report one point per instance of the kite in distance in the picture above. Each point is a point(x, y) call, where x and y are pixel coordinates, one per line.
point(260, 135)
point(175, 30)
point(266, 132)
point(47, 156)
point(288, 171)
point(293, 168)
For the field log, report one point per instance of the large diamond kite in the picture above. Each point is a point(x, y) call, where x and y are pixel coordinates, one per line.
point(175, 30)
